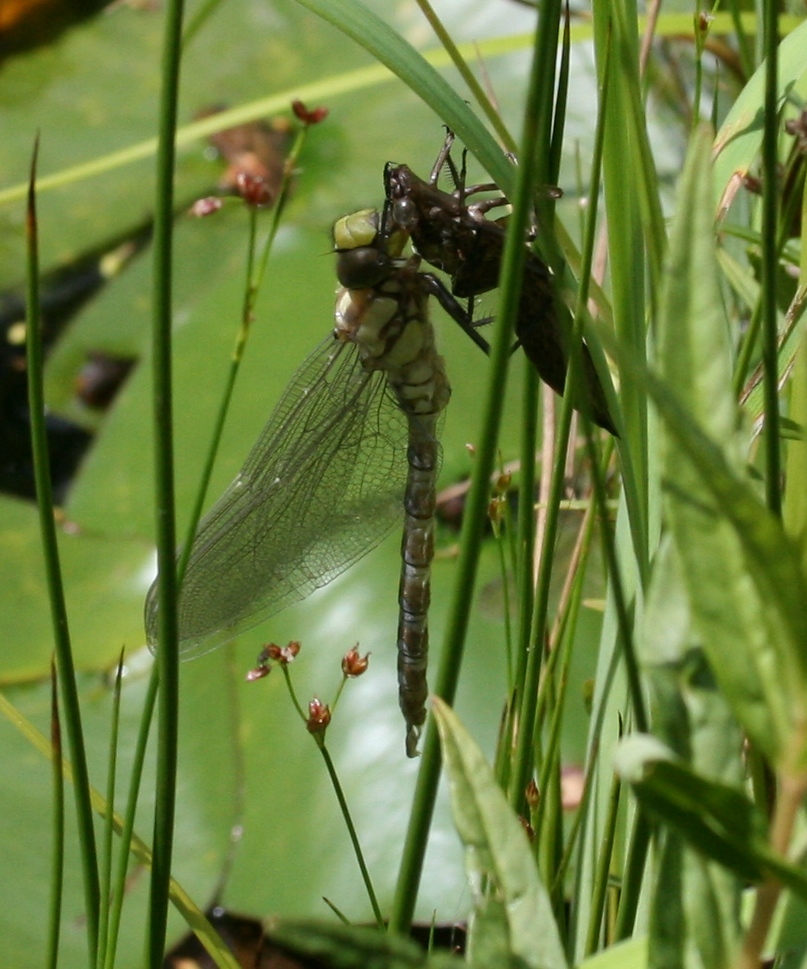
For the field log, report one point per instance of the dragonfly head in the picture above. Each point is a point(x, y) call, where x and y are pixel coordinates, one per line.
point(365, 253)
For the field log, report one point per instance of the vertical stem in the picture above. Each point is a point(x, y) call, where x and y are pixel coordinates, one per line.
point(769, 261)
point(167, 652)
point(50, 550)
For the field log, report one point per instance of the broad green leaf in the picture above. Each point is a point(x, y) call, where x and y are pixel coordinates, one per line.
point(695, 914)
point(718, 821)
point(751, 620)
point(22, 789)
point(695, 917)
point(630, 954)
point(668, 941)
point(689, 712)
point(712, 902)
point(104, 580)
point(743, 574)
point(512, 912)
point(694, 340)
point(234, 736)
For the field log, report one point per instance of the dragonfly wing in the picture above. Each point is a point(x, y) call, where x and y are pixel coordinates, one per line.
point(321, 487)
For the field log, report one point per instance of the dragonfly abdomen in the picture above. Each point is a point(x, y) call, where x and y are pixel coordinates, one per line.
point(414, 592)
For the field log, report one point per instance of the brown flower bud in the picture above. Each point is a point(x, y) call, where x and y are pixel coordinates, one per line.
point(353, 664)
point(206, 206)
point(282, 654)
point(253, 189)
point(306, 116)
point(319, 716)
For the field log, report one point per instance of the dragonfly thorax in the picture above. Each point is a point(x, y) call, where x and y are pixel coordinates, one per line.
point(389, 326)
point(362, 317)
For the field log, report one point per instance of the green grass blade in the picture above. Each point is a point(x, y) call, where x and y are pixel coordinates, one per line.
point(716, 819)
point(514, 917)
point(118, 893)
point(50, 549)
point(376, 36)
point(770, 260)
point(752, 621)
point(168, 628)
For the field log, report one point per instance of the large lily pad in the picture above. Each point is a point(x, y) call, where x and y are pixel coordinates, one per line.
point(93, 93)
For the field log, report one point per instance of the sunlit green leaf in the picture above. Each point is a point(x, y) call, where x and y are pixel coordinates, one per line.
point(695, 901)
point(738, 141)
point(630, 954)
point(752, 622)
point(512, 911)
point(717, 820)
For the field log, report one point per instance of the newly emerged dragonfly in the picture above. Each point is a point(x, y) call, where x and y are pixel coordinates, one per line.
point(455, 236)
point(352, 441)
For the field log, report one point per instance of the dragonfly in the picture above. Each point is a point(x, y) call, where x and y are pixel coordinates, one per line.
point(352, 442)
point(456, 236)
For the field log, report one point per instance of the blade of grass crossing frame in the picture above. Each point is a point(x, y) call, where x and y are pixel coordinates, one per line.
point(58, 607)
point(167, 653)
point(538, 142)
point(770, 261)
point(376, 36)
point(481, 97)
point(625, 249)
point(598, 809)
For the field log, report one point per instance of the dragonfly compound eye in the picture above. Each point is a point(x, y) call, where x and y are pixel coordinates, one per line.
point(362, 268)
point(355, 230)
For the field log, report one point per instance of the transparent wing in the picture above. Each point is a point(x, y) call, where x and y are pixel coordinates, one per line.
point(320, 488)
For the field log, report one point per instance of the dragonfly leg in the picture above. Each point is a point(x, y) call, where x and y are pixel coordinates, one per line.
point(458, 176)
point(461, 316)
point(442, 158)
